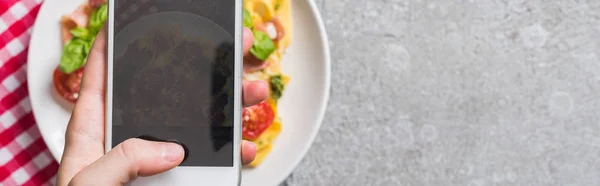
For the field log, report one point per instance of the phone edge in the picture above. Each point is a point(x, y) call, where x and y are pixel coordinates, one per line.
point(109, 77)
point(238, 66)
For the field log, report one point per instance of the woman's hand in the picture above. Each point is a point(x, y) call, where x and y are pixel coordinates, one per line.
point(84, 161)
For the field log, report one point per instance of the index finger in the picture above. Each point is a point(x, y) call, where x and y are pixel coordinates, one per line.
point(84, 139)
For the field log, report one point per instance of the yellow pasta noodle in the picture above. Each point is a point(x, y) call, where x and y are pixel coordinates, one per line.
point(268, 136)
point(284, 13)
point(263, 11)
point(260, 156)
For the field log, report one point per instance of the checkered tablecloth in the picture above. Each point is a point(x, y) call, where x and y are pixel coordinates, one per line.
point(24, 157)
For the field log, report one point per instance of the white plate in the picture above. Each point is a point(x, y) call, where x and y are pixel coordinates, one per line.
point(302, 107)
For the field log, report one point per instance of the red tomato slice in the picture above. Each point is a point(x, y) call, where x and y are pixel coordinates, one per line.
point(256, 119)
point(67, 85)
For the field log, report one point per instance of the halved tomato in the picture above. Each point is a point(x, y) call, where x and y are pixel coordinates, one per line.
point(256, 119)
point(68, 85)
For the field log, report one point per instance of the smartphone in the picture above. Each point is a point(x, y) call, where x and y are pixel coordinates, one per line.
point(174, 73)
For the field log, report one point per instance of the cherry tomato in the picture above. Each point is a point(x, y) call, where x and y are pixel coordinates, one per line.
point(256, 119)
point(68, 85)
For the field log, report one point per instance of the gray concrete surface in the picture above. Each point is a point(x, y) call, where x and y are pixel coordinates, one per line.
point(460, 92)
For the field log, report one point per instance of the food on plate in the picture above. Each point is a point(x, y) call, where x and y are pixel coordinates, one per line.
point(78, 31)
point(270, 22)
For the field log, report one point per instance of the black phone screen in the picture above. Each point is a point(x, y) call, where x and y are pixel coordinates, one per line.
point(173, 75)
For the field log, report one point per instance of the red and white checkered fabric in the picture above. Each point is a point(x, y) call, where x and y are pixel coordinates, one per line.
point(24, 157)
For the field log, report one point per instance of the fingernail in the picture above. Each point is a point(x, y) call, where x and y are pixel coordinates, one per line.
point(250, 146)
point(185, 149)
point(172, 152)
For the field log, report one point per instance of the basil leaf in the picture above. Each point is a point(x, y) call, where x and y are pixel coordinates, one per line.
point(74, 55)
point(276, 85)
point(98, 19)
point(88, 46)
point(263, 45)
point(82, 33)
point(75, 52)
point(248, 20)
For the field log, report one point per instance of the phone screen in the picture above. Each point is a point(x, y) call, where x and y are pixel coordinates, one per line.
point(173, 75)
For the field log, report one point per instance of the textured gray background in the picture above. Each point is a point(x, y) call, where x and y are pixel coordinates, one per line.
point(460, 92)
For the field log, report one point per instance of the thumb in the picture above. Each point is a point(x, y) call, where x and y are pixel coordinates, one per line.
point(132, 158)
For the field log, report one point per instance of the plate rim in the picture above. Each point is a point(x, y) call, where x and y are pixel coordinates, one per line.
point(43, 133)
point(322, 31)
point(325, 100)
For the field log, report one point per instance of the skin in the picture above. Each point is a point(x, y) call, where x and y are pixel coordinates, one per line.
point(84, 161)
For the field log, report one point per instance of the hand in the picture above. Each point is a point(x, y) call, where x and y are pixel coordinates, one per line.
point(84, 161)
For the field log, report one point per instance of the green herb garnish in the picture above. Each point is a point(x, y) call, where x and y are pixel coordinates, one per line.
point(263, 45)
point(248, 19)
point(277, 6)
point(74, 55)
point(276, 85)
point(75, 52)
point(98, 19)
point(82, 33)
